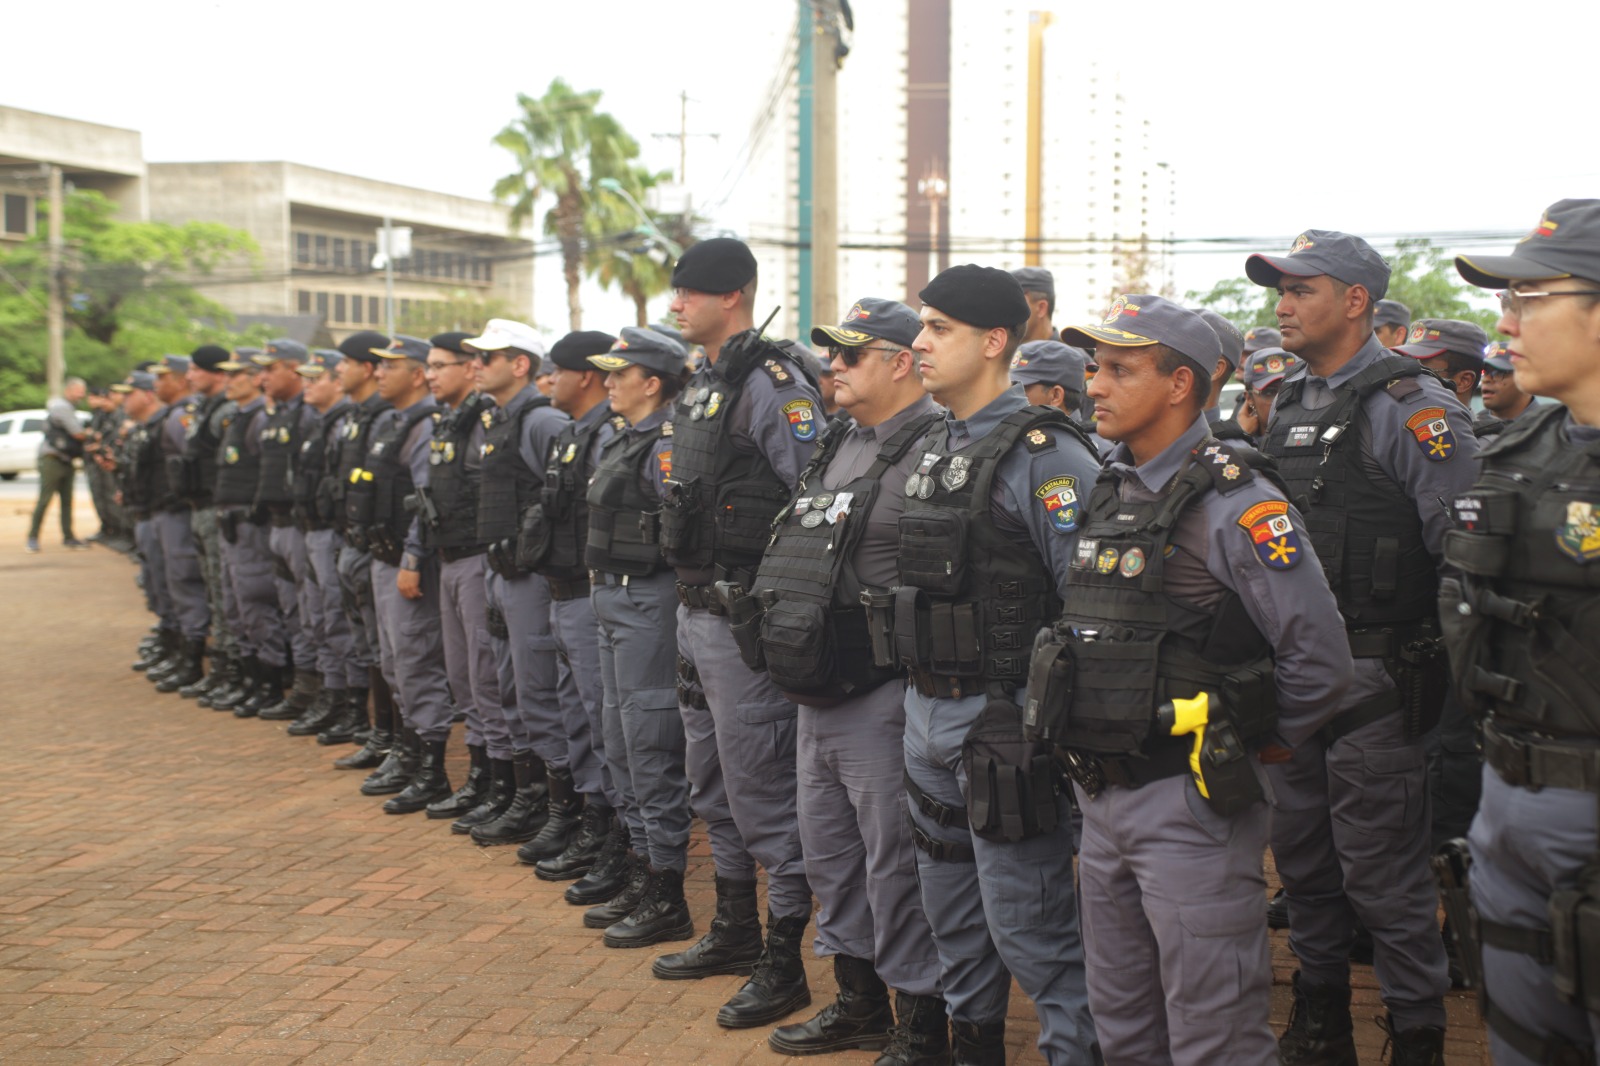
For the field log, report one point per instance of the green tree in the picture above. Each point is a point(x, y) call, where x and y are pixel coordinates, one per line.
point(562, 144)
point(129, 291)
point(1239, 300)
point(619, 256)
point(460, 309)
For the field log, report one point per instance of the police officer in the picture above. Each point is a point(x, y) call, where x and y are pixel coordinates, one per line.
point(1391, 322)
point(551, 543)
point(518, 434)
point(1450, 349)
point(744, 426)
point(1367, 443)
point(186, 588)
point(405, 581)
point(984, 557)
point(358, 373)
point(1503, 401)
point(1261, 373)
point(1520, 627)
point(834, 543)
point(1191, 579)
point(1053, 374)
point(114, 531)
point(1039, 289)
point(141, 487)
point(635, 602)
point(290, 424)
point(448, 515)
point(1227, 365)
point(321, 600)
point(192, 474)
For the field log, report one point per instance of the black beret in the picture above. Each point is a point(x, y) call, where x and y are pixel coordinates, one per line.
point(209, 356)
point(718, 265)
point(358, 346)
point(572, 352)
point(451, 342)
point(980, 296)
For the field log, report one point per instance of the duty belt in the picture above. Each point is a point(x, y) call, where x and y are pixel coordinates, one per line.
point(568, 588)
point(451, 555)
point(606, 577)
point(944, 688)
point(701, 597)
point(1537, 762)
point(1095, 773)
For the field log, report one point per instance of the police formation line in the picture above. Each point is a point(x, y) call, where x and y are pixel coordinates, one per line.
point(1026, 595)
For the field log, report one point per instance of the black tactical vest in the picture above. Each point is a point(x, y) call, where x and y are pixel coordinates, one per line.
point(721, 500)
point(144, 482)
point(1523, 622)
point(814, 628)
point(280, 441)
point(376, 493)
point(972, 596)
point(624, 520)
point(452, 485)
point(193, 474)
point(311, 474)
point(507, 483)
point(1365, 530)
point(238, 469)
point(350, 450)
point(1133, 646)
point(555, 527)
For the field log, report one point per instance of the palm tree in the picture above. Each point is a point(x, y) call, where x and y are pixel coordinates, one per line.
point(619, 255)
point(561, 144)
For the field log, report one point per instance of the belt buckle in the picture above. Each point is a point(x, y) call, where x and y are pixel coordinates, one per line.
point(1515, 759)
point(1087, 771)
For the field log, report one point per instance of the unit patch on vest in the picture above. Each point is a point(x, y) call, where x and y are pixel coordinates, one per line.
point(230, 455)
point(1580, 538)
point(1432, 430)
point(1060, 498)
point(1106, 561)
point(664, 460)
point(955, 474)
point(802, 419)
point(487, 416)
point(1301, 436)
point(1276, 541)
point(1132, 563)
point(570, 454)
point(1083, 554)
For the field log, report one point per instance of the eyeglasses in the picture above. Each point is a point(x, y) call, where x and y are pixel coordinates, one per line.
point(488, 357)
point(1511, 300)
point(1491, 372)
point(850, 356)
point(441, 366)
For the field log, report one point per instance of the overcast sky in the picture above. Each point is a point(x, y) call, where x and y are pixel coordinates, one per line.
point(1375, 118)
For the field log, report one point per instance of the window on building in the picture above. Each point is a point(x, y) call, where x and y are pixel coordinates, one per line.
point(355, 308)
point(360, 258)
point(339, 308)
point(338, 253)
point(488, 270)
point(372, 310)
point(19, 214)
point(302, 249)
point(321, 244)
point(322, 305)
point(476, 268)
point(302, 301)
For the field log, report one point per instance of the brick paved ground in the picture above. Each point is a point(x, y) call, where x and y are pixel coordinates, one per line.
point(179, 886)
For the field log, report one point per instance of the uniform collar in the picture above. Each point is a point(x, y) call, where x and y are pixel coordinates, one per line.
point(526, 395)
point(652, 420)
point(984, 421)
point(1368, 354)
point(1159, 471)
point(427, 401)
point(598, 413)
point(890, 426)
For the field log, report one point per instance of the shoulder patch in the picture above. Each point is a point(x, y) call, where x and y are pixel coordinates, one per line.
point(1273, 535)
point(1433, 434)
point(1037, 440)
point(1404, 389)
point(664, 459)
point(802, 415)
point(1059, 495)
point(776, 371)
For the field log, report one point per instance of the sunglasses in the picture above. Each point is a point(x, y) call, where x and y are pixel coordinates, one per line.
point(850, 356)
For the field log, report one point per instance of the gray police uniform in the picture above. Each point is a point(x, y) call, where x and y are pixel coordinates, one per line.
point(321, 598)
point(246, 559)
point(740, 745)
point(197, 472)
point(292, 422)
point(636, 612)
point(1350, 827)
point(355, 562)
point(1000, 909)
point(854, 826)
point(1520, 622)
point(143, 485)
point(186, 587)
point(1170, 885)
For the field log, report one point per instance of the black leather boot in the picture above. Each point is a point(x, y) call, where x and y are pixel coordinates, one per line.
point(1278, 911)
point(346, 719)
point(921, 1033)
point(189, 670)
point(978, 1043)
point(777, 985)
point(152, 649)
point(397, 768)
point(609, 873)
point(565, 807)
point(302, 693)
point(627, 901)
point(225, 686)
point(1319, 1032)
point(428, 784)
point(472, 790)
point(661, 914)
point(213, 677)
point(497, 796)
point(381, 739)
point(1422, 1046)
point(583, 848)
point(859, 1018)
point(329, 704)
point(243, 687)
point(268, 690)
point(731, 945)
point(160, 656)
point(530, 805)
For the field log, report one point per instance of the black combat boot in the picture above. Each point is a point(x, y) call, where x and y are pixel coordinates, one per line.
point(242, 689)
point(302, 693)
point(502, 788)
point(921, 1034)
point(472, 790)
point(661, 913)
point(777, 985)
point(329, 704)
point(372, 753)
point(429, 783)
point(529, 807)
point(1319, 1032)
point(152, 649)
point(268, 691)
point(609, 873)
point(731, 945)
point(626, 901)
point(397, 768)
point(859, 1018)
point(583, 849)
point(1278, 911)
point(214, 676)
point(189, 671)
point(978, 1043)
point(160, 654)
point(226, 687)
point(565, 807)
point(1422, 1046)
point(346, 720)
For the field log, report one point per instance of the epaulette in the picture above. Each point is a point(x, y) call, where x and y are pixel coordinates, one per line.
point(666, 429)
point(618, 423)
point(1036, 440)
point(1403, 389)
point(1228, 465)
point(779, 375)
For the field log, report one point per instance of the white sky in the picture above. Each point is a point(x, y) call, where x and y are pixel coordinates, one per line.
point(1373, 118)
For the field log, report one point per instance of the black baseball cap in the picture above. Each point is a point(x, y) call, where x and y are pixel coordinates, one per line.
point(718, 265)
point(454, 341)
point(1139, 319)
point(869, 319)
point(1565, 244)
point(1435, 336)
point(642, 347)
point(359, 346)
point(1324, 251)
point(572, 352)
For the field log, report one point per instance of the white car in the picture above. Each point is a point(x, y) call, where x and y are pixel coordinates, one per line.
point(20, 435)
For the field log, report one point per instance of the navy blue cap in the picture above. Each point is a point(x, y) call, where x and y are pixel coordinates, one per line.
point(1435, 336)
point(1036, 279)
point(1228, 335)
point(177, 364)
point(139, 379)
point(718, 265)
point(320, 362)
point(1140, 319)
point(1259, 337)
point(642, 347)
point(1565, 244)
point(281, 350)
point(1391, 313)
point(869, 319)
point(1497, 356)
point(1266, 366)
point(1050, 362)
point(404, 346)
point(1324, 251)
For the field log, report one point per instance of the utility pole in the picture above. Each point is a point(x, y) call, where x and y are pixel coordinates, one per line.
point(682, 137)
point(1038, 21)
point(55, 364)
point(826, 57)
point(388, 275)
point(934, 188)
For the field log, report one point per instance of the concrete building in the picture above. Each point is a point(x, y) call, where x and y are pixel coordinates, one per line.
point(91, 156)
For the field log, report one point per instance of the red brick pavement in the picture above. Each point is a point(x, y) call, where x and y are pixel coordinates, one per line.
point(178, 886)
